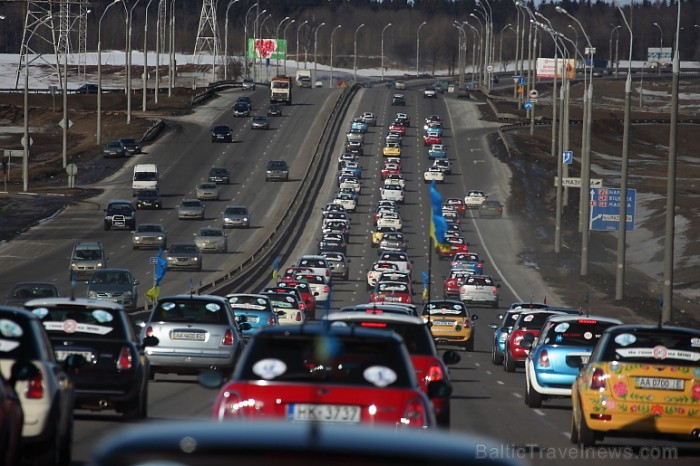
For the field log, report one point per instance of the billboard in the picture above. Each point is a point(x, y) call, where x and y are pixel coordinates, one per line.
point(267, 48)
point(547, 66)
point(657, 54)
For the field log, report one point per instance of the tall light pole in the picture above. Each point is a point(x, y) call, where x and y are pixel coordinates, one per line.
point(418, 47)
point(330, 80)
point(315, 50)
point(296, 57)
point(285, 38)
point(661, 46)
point(571, 26)
point(172, 68)
point(256, 36)
point(610, 54)
point(586, 154)
point(462, 46)
point(354, 47)
point(228, 7)
point(500, 46)
point(128, 62)
point(145, 57)
point(475, 58)
point(161, 5)
point(99, 72)
point(245, 40)
point(382, 48)
point(481, 47)
point(277, 38)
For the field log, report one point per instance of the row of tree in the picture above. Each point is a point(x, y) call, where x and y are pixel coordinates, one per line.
point(652, 24)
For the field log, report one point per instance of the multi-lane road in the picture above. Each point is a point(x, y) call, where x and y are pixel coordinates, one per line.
point(486, 401)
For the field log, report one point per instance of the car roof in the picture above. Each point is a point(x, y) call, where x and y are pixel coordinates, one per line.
point(388, 317)
point(567, 318)
point(79, 302)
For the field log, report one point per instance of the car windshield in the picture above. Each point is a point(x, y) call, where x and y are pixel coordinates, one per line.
point(32, 291)
point(149, 228)
point(211, 232)
point(120, 207)
point(451, 309)
point(191, 204)
point(189, 310)
point(236, 211)
point(110, 278)
point(479, 281)
point(653, 346)
point(147, 193)
point(532, 321)
point(182, 249)
point(347, 361)
point(80, 321)
point(87, 254)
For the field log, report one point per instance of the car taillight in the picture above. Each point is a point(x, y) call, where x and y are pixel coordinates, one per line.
point(271, 321)
point(415, 414)
point(494, 291)
point(434, 373)
point(302, 306)
point(124, 361)
point(373, 324)
point(228, 338)
point(598, 379)
point(35, 387)
point(298, 319)
point(325, 289)
point(149, 331)
point(544, 359)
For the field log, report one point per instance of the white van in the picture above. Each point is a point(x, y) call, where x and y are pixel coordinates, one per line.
point(145, 177)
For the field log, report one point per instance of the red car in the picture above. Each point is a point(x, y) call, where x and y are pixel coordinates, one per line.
point(390, 169)
point(307, 295)
point(416, 334)
point(527, 322)
point(398, 127)
point(453, 282)
point(457, 245)
point(458, 205)
point(432, 138)
point(391, 292)
point(360, 376)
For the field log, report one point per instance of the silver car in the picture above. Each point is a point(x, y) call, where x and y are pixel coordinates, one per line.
point(184, 256)
point(190, 209)
point(195, 333)
point(149, 235)
point(210, 239)
point(235, 216)
point(393, 241)
point(114, 285)
point(479, 289)
point(207, 190)
point(339, 264)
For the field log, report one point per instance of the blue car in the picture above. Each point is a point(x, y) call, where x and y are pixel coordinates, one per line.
point(503, 328)
point(437, 151)
point(253, 309)
point(563, 346)
point(467, 261)
point(359, 123)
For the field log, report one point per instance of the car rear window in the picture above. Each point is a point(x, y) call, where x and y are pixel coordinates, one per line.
point(654, 347)
point(446, 309)
point(190, 310)
point(581, 332)
point(17, 340)
point(339, 361)
point(479, 281)
point(532, 321)
point(81, 321)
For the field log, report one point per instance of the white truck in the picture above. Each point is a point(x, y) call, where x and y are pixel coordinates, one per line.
point(281, 90)
point(303, 78)
point(145, 177)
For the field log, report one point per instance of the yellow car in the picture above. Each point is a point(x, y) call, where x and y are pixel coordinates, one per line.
point(450, 323)
point(392, 149)
point(640, 379)
point(378, 234)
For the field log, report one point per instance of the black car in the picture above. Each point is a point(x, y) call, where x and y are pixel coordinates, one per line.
point(120, 215)
point(87, 89)
point(241, 109)
point(246, 100)
point(219, 175)
point(274, 110)
point(259, 122)
point(98, 335)
point(222, 133)
point(114, 149)
point(148, 199)
point(130, 145)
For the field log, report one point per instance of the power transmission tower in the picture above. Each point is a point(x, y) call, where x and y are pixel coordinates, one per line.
point(207, 33)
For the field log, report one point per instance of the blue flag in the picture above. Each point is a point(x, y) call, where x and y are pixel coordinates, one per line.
point(161, 267)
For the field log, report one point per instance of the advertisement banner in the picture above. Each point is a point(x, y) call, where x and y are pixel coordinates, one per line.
point(267, 48)
point(547, 66)
point(656, 54)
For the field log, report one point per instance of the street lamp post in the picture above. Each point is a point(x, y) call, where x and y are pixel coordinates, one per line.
point(500, 46)
point(99, 72)
point(330, 80)
point(475, 58)
point(610, 54)
point(228, 7)
point(354, 46)
point(285, 38)
point(129, 22)
point(296, 56)
point(277, 38)
point(382, 49)
point(418, 47)
point(316, 50)
point(257, 30)
point(571, 26)
point(460, 49)
point(481, 48)
point(172, 68)
point(661, 46)
point(145, 57)
point(245, 40)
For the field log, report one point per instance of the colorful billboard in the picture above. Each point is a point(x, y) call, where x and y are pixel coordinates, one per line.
point(267, 48)
point(547, 66)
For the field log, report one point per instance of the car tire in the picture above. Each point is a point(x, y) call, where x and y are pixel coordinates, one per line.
point(585, 436)
point(508, 363)
point(495, 304)
point(496, 359)
point(138, 407)
point(532, 398)
point(469, 345)
point(443, 420)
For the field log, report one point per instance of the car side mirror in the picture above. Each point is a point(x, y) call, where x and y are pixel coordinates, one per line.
point(451, 357)
point(136, 282)
point(526, 344)
point(140, 324)
point(280, 313)
point(439, 389)
point(474, 317)
point(210, 379)
point(493, 326)
point(150, 341)
point(528, 337)
point(22, 370)
point(245, 326)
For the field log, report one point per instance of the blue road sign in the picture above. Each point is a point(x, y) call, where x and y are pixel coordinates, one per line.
point(522, 80)
point(527, 105)
point(605, 208)
point(567, 157)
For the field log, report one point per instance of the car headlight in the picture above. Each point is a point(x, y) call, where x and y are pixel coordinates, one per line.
point(245, 219)
point(127, 294)
point(161, 238)
point(92, 294)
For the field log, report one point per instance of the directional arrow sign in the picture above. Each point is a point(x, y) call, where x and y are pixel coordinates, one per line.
point(60, 123)
point(567, 157)
point(576, 182)
point(605, 209)
point(24, 141)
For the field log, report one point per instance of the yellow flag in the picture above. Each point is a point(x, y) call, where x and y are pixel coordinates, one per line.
point(153, 293)
point(425, 294)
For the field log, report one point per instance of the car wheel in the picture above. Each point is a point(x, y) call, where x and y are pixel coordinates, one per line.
point(443, 420)
point(532, 398)
point(586, 436)
point(469, 345)
point(508, 363)
point(138, 407)
point(496, 359)
point(495, 304)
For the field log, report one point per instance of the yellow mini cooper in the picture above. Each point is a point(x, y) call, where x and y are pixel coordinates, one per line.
point(450, 323)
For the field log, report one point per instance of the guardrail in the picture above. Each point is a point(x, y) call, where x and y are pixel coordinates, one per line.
point(253, 273)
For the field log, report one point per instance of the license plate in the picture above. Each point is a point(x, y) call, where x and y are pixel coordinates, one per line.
point(188, 336)
point(658, 383)
point(323, 413)
point(252, 319)
point(62, 355)
point(443, 322)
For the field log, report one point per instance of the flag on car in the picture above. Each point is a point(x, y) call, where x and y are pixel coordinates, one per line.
point(438, 224)
point(161, 267)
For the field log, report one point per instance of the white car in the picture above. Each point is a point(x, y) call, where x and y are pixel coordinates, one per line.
point(395, 179)
point(318, 285)
point(399, 258)
point(474, 199)
point(319, 264)
point(378, 268)
point(434, 173)
point(352, 183)
point(479, 289)
point(444, 165)
point(390, 219)
point(347, 201)
point(392, 192)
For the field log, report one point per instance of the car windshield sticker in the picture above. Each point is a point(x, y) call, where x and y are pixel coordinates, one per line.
point(561, 328)
point(71, 326)
point(695, 342)
point(8, 345)
point(528, 318)
point(588, 335)
point(445, 311)
point(625, 339)
point(254, 307)
point(380, 376)
point(269, 368)
point(40, 312)
point(10, 329)
point(102, 316)
point(658, 352)
point(212, 307)
point(167, 306)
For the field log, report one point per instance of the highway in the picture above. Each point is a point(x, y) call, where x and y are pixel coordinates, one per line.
point(486, 400)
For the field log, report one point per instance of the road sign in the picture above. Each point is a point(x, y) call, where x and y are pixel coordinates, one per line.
point(576, 182)
point(153, 260)
point(534, 94)
point(523, 80)
point(23, 141)
point(605, 208)
point(14, 153)
point(71, 169)
point(60, 123)
point(567, 157)
point(527, 105)
point(489, 68)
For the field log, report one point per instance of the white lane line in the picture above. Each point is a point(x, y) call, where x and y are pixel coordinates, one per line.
point(517, 395)
point(500, 382)
point(489, 372)
point(539, 412)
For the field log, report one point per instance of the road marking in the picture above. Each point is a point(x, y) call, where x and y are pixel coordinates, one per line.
point(500, 382)
point(517, 395)
point(489, 372)
point(539, 412)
